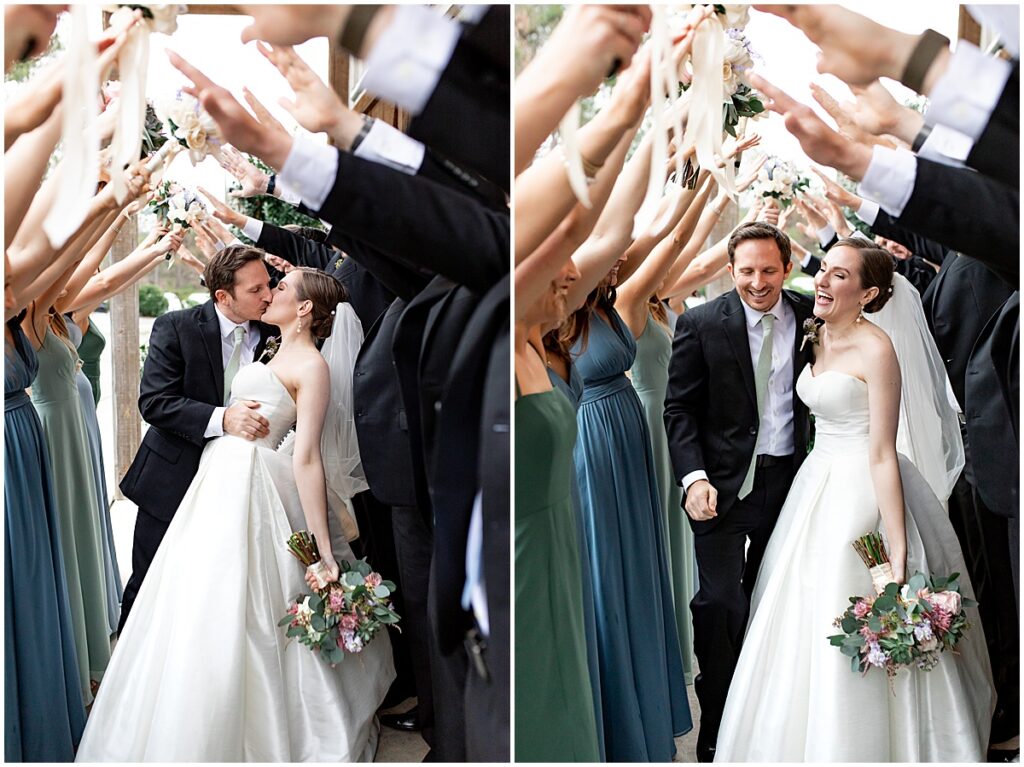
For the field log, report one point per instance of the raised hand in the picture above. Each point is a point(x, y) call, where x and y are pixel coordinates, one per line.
point(206, 242)
point(816, 218)
point(735, 146)
point(316, 107)
point(854, 48)
point(877, 112)
point(27, 30)
point(744, 183)
point(262, 113)
point(838, 194)
point(236, 125)
point(632, 91)
point(169, 243)
point(769, 213)
point(847, 124)
point(278, 263)
point(136, 205)
point(219, 231)
point(254, 181)
point(190, 259)
point(819, 142)
point(784, 217)
point(833, 214)
point(222, 211)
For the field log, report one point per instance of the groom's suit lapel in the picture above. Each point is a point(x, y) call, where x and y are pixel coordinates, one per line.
point(735, 327)
point(209, 327)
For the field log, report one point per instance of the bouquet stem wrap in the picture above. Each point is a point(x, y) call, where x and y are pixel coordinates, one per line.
point(81, 142)
point(881, 576)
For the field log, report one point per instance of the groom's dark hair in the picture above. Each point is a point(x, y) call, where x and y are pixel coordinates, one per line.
point(760, 230)
point(220, 272)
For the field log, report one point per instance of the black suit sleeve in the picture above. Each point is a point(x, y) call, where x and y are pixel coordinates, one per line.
point(996, 153)
point(888, 227)
point(686, 398)
point(812, 267)
point(419, 221)
point(161, 392)
point(968, 212)
point(398, 277)
point(296, 249)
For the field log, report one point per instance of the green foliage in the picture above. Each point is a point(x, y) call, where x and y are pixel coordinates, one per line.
point(267, 207)
point(152, 302)
point(534, 25)
point(21, 71)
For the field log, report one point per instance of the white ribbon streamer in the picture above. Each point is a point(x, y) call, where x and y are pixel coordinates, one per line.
point(661, 53)
point(704, 128)
point(132, 63)
point(80, 138)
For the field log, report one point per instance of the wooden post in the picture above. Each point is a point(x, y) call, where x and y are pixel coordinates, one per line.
point(124, 331)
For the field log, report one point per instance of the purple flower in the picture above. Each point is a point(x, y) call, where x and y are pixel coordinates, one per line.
point(876, 657)
point(923, 630)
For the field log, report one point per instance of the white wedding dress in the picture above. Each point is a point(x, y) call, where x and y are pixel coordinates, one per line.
point(202, 672)
point(793, 696)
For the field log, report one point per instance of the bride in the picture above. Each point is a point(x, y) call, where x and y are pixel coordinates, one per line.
point(201, 671)
point(793, 696)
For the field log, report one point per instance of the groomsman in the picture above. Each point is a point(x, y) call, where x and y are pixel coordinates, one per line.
point(737, 434)
point(193, 355)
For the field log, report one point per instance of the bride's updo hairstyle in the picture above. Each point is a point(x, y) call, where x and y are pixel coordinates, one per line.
point(876, 270)
point(325, 292)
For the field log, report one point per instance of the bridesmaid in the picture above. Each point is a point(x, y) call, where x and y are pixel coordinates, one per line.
point(566, 378)
point(555, 718)
point(55, 395)
point(90, 351)
point(44, 713)
point(645, 704)
point(86, 392)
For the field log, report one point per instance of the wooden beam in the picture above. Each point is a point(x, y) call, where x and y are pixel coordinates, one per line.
point(214, 9)
point(967, 28)
point(124, 332)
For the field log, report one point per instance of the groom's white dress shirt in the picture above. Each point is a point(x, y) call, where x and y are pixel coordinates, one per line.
point(775, 432)
point(215, 428)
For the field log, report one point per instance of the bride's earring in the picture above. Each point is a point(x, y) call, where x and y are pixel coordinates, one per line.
point(299, 329)
point(860, 316)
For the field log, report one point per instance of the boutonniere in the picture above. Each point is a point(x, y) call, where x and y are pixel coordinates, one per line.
point(273, 344)
point(811, 328)
point(337, 264)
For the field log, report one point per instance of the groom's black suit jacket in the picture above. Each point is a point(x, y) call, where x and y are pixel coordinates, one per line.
point(182, 383)
point(711, 405)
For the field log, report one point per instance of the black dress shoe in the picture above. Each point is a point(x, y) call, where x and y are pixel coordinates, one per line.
point(407, 722)
point(705, 753)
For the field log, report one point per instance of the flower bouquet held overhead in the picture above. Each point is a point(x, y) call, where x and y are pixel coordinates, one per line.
point(781, 181)
point(900, 626)
point(343, 616)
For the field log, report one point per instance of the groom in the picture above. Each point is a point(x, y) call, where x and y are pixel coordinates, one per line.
point(737, 433)
point(193, 355)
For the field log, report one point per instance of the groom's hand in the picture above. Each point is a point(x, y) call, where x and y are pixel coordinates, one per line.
point(242, 420)
point(701, 501)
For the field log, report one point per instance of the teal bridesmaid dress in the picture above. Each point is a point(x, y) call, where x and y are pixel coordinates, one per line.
point(55, 396)
point(44, 713)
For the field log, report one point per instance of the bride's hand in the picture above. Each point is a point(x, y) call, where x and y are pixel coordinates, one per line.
point(899, 569)
point(331, 576)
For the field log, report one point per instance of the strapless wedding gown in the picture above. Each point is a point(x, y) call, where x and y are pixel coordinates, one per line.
point(202, 672)
point(793, 696)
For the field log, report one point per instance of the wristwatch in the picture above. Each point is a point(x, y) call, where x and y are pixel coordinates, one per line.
point(929, 45)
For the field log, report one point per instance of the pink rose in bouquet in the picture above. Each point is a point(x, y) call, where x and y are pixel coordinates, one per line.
point(949, 601)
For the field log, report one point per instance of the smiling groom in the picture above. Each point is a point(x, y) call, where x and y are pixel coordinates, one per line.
point(737, 433)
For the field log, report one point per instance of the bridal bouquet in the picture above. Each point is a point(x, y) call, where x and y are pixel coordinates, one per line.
point(343, 617)
point(781, 180)
point(190, 126)
point(157, 18)
point(740, 99)
point(901, 626)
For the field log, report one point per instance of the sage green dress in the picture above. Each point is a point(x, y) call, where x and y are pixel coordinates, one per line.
point(555, 718)
point(90, 350)
point(55, 396)
point(650, 379)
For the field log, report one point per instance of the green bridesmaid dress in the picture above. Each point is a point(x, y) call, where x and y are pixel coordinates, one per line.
point(55, 396)
point(650, 379)
point(554, 707)
point(90, 351)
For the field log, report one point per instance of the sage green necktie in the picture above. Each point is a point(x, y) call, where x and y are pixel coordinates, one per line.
point(233, 362)
point(762, 373)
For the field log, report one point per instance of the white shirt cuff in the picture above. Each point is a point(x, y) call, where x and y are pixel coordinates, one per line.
point(860, 235)
point(387, 145)
point(806, 259)
point(825, 234)
point(408, 59)
point(287, 194)
point(868, 211)
point(692, 477)
point(968, 91)
point(253, 228)
point(310, 170)
point(947, 146)
point(215, 428)
point(889, 179)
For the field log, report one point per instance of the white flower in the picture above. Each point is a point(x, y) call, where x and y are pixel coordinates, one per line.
point(193, 127)
point(736, 16)
point(164, 17)
point(928, 644)
point(304, 613)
